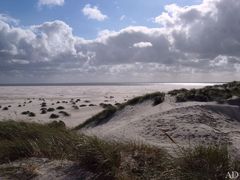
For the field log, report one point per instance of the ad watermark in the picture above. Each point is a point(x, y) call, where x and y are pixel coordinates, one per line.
point(233, 175)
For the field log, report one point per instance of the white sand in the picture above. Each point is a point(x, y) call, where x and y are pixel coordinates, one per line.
point(17, 95)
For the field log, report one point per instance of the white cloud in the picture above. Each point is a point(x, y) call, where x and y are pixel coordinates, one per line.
point(8, 19)
point(51, 2)
point(142, 44)
point(93, 13)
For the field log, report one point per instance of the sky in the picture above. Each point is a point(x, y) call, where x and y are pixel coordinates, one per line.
point(73, 41)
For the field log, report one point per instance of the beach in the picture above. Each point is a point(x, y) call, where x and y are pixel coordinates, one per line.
point(119, 131)
point(20, 99)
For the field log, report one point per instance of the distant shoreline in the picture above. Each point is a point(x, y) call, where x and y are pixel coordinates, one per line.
point(107, 84)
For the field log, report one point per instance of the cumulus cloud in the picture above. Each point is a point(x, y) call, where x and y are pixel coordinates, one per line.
point(51, 2)
point(9, 19)
point(193, 43)
point(142, 44)
point(92, 12)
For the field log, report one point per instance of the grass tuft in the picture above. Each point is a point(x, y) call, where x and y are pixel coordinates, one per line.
point(156, 97)
point(219, 93)
point(212, 162)
point(20, 139)
point(99, 118)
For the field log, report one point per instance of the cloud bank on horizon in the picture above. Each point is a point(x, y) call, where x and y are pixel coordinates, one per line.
point(191, 43)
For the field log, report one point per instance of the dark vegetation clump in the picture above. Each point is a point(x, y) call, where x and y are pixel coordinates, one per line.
point(211, 162)
point(157, 100)
point(64, 113)
point(117, 104)
point(156, 97)
point(19, 105)
point(25, 112)
point(43, 111)
point(75, 107)
point(78, 100)
point(43, 104)
point(5, 108)
point(50, 109)
point(105, 106)
point(111, 160)
point(91, 105)
point(54, 116)
point(31, 114)
point(21, 139)
point(57, 124)
point(219, 93)
point(177, 91)
point(83, 105)
point(60, 107)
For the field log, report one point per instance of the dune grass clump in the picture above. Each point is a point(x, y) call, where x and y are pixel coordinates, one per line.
point(105, 106)
point(25, 112)
point(107, 160)
point(21, 139)
point(44, 111)
point(54, 116)
point(212, 162)
point(5, 109)
point(156, 97)
point(114, 160)
point(31, 114)
point(75, 107)
point(99, 118)
point(64, 113)
point(111, 160)
point(50, 109)
point(60, 108)
point(219, 93)
point(83, 105)
point(43, 104)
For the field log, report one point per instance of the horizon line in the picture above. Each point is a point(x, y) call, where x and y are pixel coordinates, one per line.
point(102, 83)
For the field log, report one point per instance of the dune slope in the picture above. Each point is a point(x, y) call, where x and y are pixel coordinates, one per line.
point(171, 123)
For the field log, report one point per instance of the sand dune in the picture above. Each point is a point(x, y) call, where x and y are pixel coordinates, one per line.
point(188, 124)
